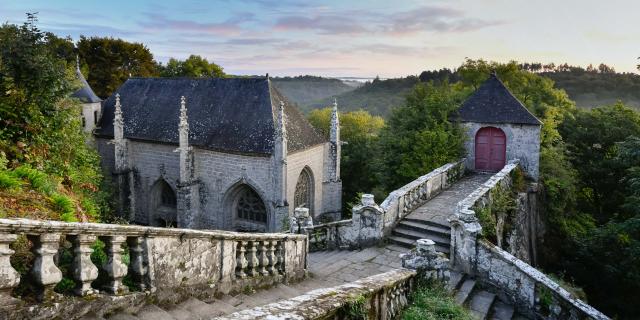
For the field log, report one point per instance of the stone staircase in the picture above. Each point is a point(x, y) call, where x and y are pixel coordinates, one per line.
point(409, 230)
point(482, 303)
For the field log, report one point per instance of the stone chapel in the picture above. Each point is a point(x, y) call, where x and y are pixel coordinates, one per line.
point(499, 129)
point(227, 153)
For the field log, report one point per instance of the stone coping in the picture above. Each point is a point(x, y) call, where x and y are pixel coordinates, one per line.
point(543, 279)
point(464, 206)
point(386, 204)
point(325, 302)
point(102, 229)
point(329, 225)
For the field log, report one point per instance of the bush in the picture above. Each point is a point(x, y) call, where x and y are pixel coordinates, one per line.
point(65, 206)
point(9, 181)
point(38, 180)
point(431, 301)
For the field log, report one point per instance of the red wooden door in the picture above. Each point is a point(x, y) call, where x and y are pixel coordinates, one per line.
point(491, 147)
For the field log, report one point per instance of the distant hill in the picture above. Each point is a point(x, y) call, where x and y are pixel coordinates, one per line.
point(593, 89)
point(304, 90)
point(587, 88)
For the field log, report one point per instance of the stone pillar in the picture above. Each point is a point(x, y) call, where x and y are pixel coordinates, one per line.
point(84, 271)
point(300, 220)
point(334, 139)
point(465, 229)
point(332, 186)
point(368, 220)
point(9, 277)
point(279, 159)
point(188, 191)
point(123, 174)
point(114, 267)
point(44, 272)
point(429, 263)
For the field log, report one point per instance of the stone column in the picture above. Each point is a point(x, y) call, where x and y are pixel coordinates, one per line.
point(279, 159)
point(123, 174)
point(332, 184)
point(44, 272)
point(429, 263)
point(84, 271)
point(334, 139)
point(368, 223)
point(138, 267)
point(188, 191)
point(465, 229)
point(114, 267)
point(9, 277)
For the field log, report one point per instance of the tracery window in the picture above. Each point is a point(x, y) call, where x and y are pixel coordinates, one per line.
point(250, 207)
point(167, 196)
point(302, 197)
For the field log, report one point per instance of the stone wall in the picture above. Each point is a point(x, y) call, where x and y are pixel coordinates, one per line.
point(163, 262)
point(91, 115)
point(532, 292)
point(217, 174)
point(382, 297)
point(370, 223)
point(523, 143)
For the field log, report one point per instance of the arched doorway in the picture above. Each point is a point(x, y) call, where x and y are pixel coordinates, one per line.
point(490, 149)
point(248, 211)
point(163, 205)
point(303, 196)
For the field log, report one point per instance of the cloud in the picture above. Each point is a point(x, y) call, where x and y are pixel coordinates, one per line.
point(431, 18)
point(229, 27)
point(323, 24)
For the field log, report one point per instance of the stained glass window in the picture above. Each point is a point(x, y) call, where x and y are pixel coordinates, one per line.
point(302, 197)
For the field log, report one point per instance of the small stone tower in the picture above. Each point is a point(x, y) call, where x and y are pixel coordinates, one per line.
point(500, 128)
point(90, 102)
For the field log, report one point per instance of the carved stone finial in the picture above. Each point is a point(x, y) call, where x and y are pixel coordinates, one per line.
point(77, 63)
point(183, 112)
point(118, 121)
point(281, 130)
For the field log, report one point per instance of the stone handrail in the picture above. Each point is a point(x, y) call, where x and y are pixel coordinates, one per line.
point(533, 293)
point(382, 296)
point(370, 222)
point(159, 259)
point(414, 194)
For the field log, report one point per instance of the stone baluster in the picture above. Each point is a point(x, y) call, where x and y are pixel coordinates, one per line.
point(83, 269)
point(252, 258)
point(280, 257)
point(114, 268)
point(264, 259)
point(241, 260)
point(273, 260)
point(44, 272)
point(9, 277)
point(137, 266)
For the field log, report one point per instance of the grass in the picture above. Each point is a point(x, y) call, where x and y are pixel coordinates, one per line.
point(431, 301)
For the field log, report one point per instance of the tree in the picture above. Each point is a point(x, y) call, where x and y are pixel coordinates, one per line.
point(194, 66)
point(360, 130)
point(420, 135)
point(592, 139)
point(40, 124)
point(112, 61)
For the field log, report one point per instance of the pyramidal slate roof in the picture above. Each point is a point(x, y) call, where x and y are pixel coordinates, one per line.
point(85, 94)
point(494, 103)
point(226, 114)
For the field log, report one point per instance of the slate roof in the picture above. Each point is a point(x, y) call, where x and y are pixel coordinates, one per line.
point(85, 94)
point(494, 103)
point(232, 114)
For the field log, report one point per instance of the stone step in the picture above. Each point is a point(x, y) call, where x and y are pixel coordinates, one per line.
point(455, 280)
point(465, 291)
point(420, 225)
point(415, 235)
point(152, 312)
point(202, 310)
point(480, 304)
point(502, 311)
point(122, 316)
point(410, 243)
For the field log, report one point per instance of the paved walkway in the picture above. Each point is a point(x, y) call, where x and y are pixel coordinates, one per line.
point(443, 205)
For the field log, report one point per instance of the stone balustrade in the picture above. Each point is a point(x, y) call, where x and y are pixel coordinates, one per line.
point(152, 259)
point(532, 292)
point(370, 223)
point(382, 296)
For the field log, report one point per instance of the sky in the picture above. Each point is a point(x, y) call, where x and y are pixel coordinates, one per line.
point(391, 38)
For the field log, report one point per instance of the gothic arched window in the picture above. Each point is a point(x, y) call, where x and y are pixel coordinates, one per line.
point(250, 207)
point(304, 190)
point(167, 196)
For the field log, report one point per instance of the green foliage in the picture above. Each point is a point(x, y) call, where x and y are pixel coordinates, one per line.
point(9, 181)
point(65, 206)
point(592, 139)
point(501, 208)
point(194, 66)
point(360, 131)
point(112, 61)
point(419, 136)
point(41, 137)
point(431, 301)
point(356, 308)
